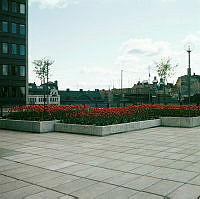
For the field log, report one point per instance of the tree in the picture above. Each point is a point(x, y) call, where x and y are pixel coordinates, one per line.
point(42, 70)
point(165, 69)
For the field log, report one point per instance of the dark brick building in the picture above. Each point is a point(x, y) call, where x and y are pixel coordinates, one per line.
point(13, 52)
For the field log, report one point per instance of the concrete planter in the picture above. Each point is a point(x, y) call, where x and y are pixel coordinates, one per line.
point(180, 121)
point(106, 130)
point(29, 126)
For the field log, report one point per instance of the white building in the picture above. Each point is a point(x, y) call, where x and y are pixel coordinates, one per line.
point(37, 94)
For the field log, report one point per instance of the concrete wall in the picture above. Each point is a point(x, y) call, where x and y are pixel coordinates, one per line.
point(106, 130)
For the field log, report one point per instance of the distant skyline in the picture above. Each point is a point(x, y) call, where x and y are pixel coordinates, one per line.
point(91, 41)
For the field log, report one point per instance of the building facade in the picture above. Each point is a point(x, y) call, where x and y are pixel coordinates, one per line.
point(38, 94)
point(182, 86)
point(13, 52)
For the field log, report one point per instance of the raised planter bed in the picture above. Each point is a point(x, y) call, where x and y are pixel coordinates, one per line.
point(188, 122)
point(29, 126)
point(106, 130)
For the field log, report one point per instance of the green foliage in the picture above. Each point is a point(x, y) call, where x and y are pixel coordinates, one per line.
point(42, 68)
point(164, 68)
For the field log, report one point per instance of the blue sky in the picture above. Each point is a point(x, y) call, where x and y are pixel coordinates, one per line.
point(91, 41)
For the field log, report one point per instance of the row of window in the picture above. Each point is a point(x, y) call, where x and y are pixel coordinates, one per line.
point(33, 100)
point(12, 91)
point(13, 7)
point(14, 49)
point(13, 28)
point(13, 70)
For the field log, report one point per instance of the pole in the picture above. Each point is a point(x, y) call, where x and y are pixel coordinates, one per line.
point(121, 85)
point(189, 77)
point(44, 90)
point(47, 84)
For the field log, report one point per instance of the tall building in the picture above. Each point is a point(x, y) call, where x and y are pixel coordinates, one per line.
point(13, 52)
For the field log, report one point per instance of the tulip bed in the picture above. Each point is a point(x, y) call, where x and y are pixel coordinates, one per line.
point(74, 114)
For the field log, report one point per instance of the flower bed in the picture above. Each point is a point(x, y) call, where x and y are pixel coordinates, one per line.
point(73, 114)
point(83, 116)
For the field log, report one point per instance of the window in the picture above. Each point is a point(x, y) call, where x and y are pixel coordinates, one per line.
point(14, 49)
point(5, 70)
point(14, 92)
point(22, 50)
point(14, 28)
point(22, 91)
point(5, 5)
point(22, 29)
point(14, 70)
point(4, 48)
point(22, 8)
point(4, 26)
point(22, 71)
point(5, 91)
point(14, 7)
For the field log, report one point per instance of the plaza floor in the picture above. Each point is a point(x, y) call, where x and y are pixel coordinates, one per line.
point(154, 163)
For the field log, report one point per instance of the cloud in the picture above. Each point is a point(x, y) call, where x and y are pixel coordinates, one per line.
point(136, 55)
point(52, 3)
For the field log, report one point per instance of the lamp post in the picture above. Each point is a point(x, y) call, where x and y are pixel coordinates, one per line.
point(188, 48)
point(121, 85)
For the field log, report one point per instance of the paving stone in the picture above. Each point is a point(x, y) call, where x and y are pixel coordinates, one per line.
point(179, 164)
point(74, 168)
point(117, 193)
point(7, 152)
point(93, 191)
point(182, 176)
point(122, 178)
point(195, 180)
point(186, 192)
point(48, 194)
point(141, 183)
point(53, 182)
point(163, 187)
point(145, 169)
point(143, 195)
point(60, 165)
point(5, 179)
point(74, 185)
point(21, 192)
point(48, 175)
point(12, 186)
point(67, 197)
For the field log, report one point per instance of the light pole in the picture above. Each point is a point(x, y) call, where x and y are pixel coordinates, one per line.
point(188, 48)
point(121, 85)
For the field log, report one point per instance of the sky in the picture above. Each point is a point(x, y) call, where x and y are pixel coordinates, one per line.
point(92, 41)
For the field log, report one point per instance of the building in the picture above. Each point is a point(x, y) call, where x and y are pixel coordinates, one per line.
point(86, 98)
point(182, 86)
point(37, 94)
point(144, 93)
point(13, 52)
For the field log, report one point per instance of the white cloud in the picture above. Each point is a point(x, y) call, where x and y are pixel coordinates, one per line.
point(52, 3)
point(136, 55)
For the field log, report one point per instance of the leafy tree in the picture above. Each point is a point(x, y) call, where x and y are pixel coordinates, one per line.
point(165, 69)
point(42, 69)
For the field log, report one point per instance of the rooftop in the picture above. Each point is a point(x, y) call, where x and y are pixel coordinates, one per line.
point(145, 164)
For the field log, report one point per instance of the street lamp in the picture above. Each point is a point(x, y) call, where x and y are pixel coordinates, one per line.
point(188, 48)
point(122, 85)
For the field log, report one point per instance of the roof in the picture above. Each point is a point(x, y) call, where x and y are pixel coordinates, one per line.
point(80, 95)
